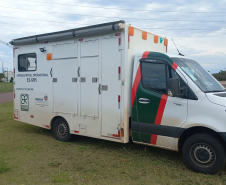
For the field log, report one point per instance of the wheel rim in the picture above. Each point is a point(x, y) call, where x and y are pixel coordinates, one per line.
point(62, 129)
point(203, 155)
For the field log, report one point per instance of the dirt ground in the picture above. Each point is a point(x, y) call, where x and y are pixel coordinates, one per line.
point(6, 97)
point(223, 83)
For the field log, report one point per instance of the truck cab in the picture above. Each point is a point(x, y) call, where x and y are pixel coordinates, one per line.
point(178, 105)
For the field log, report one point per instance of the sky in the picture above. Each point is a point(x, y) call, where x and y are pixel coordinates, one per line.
point(197, 27)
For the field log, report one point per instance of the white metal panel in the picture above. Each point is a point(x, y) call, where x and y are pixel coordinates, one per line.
point(68, 50)
point(64, 90)
point(89, 89)
point(138, 45)
point(110, 61)
point(89, 48)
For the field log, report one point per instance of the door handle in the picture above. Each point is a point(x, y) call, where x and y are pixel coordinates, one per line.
point(99, 88)
point(144, 100)
point(78, 71)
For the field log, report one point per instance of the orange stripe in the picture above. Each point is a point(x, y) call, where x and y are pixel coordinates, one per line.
point(174, 66)
point(153, 139)
point(145, 54)
point(161, 109)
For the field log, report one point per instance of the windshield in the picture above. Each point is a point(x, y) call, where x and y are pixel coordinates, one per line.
point(205, 81)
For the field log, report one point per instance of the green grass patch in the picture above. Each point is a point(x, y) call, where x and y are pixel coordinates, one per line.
point(31, 155)
point(6, 87)
point(3, 166)
point(62, 177)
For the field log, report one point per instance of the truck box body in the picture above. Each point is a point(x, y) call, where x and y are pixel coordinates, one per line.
point(83, 75)
point(114, 80)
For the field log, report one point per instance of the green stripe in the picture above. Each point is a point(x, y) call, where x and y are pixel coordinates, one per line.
point(145, 138)
point(147, 112)
point(136, 136)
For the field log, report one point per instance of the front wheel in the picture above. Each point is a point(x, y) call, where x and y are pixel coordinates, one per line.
point(203, 153)
point(61, 130)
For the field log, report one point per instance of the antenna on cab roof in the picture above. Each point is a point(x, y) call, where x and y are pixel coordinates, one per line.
point(177, 49)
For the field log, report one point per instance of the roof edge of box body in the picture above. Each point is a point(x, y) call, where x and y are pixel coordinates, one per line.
point(67, 34)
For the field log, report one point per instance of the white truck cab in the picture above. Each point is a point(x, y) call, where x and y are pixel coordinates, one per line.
point(114, 81)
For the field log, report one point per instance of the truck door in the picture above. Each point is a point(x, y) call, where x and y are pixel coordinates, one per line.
point(111, 87)
point(65, 85)
point(159, 115)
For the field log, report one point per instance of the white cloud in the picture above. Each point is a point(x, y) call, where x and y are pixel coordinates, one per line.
point(190, 42)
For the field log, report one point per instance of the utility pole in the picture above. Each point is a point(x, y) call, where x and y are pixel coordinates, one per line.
point(7, 75)
point(2, 68)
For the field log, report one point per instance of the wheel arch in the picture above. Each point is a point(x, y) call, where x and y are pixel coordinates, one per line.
point(199, 129)
point(56, 117)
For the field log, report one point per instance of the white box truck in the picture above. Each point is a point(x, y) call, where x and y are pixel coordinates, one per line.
point(112, 81)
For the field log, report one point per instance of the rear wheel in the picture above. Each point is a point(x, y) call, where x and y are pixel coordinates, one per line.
point(203, 153)
point(61, 130)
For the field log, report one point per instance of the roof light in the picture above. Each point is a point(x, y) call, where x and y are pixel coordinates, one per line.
point(156, 39)
point(131, 30)
point(144, 35)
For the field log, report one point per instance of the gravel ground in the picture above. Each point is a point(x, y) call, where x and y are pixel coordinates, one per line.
point(6, 97)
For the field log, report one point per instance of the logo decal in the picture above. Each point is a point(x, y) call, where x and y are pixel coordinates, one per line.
point(42, 101)
point(24, 102)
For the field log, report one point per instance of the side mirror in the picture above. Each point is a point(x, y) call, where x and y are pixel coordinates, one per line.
point(174, 87)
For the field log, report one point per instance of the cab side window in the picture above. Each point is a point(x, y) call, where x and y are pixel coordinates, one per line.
point(154, 76)
point(173, 74)
point(184, 89)
point(27, 62)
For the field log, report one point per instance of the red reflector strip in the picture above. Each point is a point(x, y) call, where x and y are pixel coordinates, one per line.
point(75, 131)
point(119, 41)
point(47, 126)
point(118, 98)
point(14, 50)
point(115, 135)
point(119, 70)
point(80, 39)
point(128, 38)
point(174, 66)
point(14, 95)
point(46, 42)
point(15, 117)
point(117, 34)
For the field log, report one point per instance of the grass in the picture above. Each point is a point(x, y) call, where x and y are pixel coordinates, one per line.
point(3, 166)
point(30, 155)
point(6, 87)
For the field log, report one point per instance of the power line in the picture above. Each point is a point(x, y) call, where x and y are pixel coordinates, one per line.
point(6, 62)
point(170, 3)
point(141, 27)
point(21, 24)
point(45, 20)
point(101, 7)
point(183, 29)
point(149, 28)
point(112, 17)
point(90, 24)
point(170, 36)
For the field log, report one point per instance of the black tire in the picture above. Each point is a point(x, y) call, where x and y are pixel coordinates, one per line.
point(61, 130)
point(203, 153)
